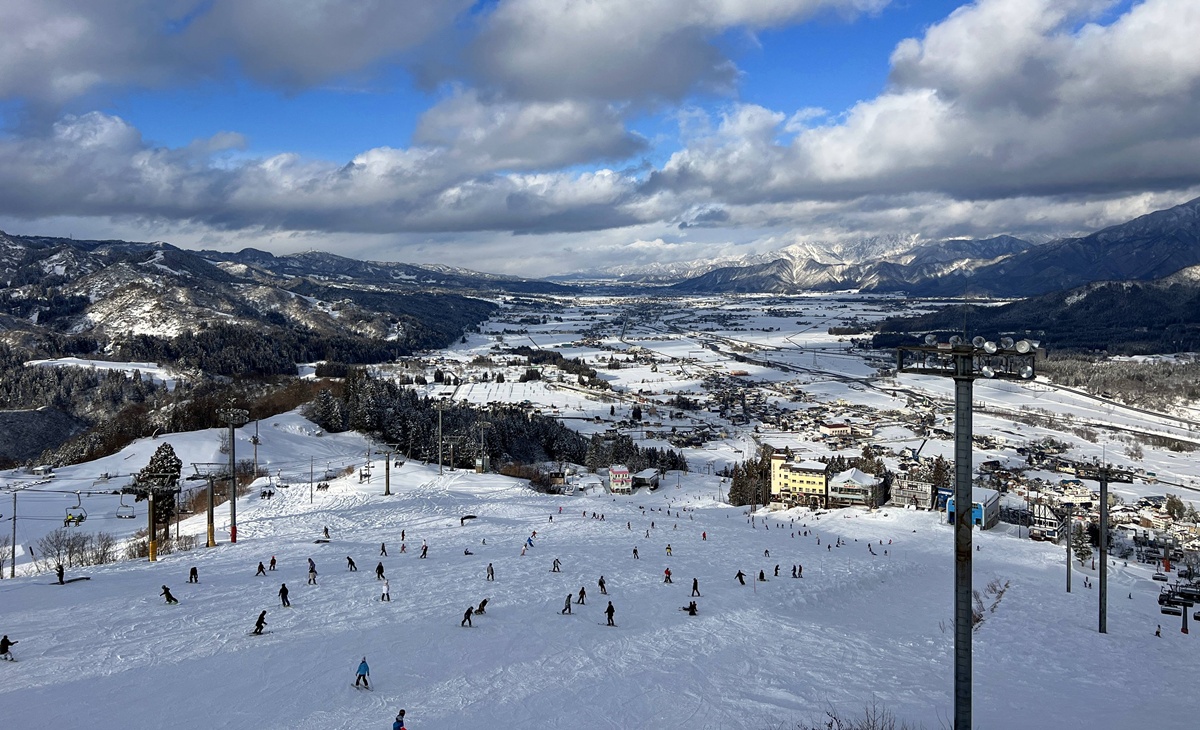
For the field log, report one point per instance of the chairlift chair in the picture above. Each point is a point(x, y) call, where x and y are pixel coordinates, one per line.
point(77, 514)
point(125, 511)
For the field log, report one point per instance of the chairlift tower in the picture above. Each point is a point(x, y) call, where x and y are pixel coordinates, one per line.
point(234, 417)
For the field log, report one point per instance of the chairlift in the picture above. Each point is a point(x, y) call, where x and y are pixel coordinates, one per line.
point(77, 514)
point(125, 511)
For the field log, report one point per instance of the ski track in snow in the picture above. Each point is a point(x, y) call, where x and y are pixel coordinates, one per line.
point(107, 653)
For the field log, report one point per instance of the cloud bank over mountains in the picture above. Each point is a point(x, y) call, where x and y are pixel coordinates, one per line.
point(1031, 117)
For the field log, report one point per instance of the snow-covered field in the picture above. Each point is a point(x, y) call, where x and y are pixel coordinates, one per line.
point(107, 653)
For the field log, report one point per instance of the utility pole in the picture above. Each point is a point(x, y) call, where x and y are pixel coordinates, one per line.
point(212, 508)
point(254, 440)
point(234, 417)
point(310, 480)
point(152, 544)
point(439, 409)
point(1070, 534)
point(12, 567)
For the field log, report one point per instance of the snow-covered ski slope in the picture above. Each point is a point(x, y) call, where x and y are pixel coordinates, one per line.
point(108, 654)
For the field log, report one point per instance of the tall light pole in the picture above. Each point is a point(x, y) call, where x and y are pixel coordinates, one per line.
point(483, 460)
point(964, 362)
point(234, 417)
point(210, 472)
point(439, 410)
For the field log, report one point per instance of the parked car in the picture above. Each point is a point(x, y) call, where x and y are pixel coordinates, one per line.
point(1161, 576)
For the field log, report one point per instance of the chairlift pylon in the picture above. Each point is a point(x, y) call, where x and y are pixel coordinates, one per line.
point(77, 514)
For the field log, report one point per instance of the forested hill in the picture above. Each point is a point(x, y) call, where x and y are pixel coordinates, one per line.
point(1117, 317)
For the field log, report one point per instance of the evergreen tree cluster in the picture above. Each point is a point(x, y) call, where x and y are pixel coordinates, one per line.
point(603, 452)
point(79, 391)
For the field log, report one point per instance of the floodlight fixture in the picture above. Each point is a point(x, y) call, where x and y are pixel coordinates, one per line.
point(987, 371)
point(1026, 372)
point(955, 340)
point(990, 347)
point(1023, 347)
point(1006, 343)
point(977, 341)
point(931, 340)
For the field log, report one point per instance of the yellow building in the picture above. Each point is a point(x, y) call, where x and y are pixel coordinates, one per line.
point(798, 483)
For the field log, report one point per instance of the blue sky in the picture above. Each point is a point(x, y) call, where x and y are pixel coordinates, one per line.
point(546, 136)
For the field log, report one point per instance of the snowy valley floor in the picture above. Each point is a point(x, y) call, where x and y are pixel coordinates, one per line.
point(107, 653)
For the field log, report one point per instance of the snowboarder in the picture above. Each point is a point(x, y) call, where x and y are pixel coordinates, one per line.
point(555, 567)
point(363, 672)
point(387, 591)
point(690, 608)
point(467, 616)
point(60, 571)
point(582, 595)
point(379, 571)
point(262, 569)
point(566, 609)
point(467, 551)
point(283, 595)
point(399, 723)
point(695, 586)
point(799, 571)
point(603, 589)
point(5, 647)
point(350, 564)
point(704, 536)
point(424, 550)
point(793, 571)
point(667, 575)
point(326, 532)
point(272, 563)
point(383, 549)
point(635, 555)
point(741, 577)
point(260, 624)
point(491, 572)
point(482, 607)
point(668, 550)
point(762, 576)
point(1158, 631)
point(609, 612)
point(766, 553)
point(312, 576)
point(193, 575)
point(776, 570)
point(166, 593)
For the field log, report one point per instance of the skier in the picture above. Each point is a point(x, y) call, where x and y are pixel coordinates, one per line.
point(695, 586)
point(793, 571)
point(741, 577)
point(482, 607)
point(762, 576)
point(193, 575)
point(272, 563)
point(312, 576)
point(582, 595)
point(350, 564)
point(387, 591)
point(491, 572)
point(555, 567)
point(424, 550)
point(262, 569)
point(667, 575)
point(59, 571)
point(603, 589)
point(383, 549)
point(529, 542)
point(566, 609)
point(363, 672)
point(326, 532)
point(260, 624)
point(704, 536)
point(379, 571)
point(799, 571)
point(403, 548)
point(467, 617)
point(399, 723)
point(668, 550)
point(166, 593)
point(766, 553)
point(609, 612)
point(5, 646)
point(635, 555)
point(283, 595)
point(777, 570)
point(1158, 631)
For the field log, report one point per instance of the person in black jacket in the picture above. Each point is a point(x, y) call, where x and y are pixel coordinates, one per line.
point(466, 621)
point(193, 575)
point(260, 624)
point(166, 593)
point(5, 646)
point(350, 564)
point(283, 595)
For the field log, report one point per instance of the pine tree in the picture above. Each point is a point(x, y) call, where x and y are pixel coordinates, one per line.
point(1081, 544)
point(161, 476)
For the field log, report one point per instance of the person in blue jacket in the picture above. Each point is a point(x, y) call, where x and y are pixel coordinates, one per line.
point(399, 723)
point(363, 672)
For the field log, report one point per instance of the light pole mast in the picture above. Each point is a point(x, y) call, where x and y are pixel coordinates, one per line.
point(964, 362)
point(1104, 473)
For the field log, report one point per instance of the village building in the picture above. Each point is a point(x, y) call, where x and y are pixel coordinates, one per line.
point(798, 483)
point(912, 493)
point(646, 478)
point(986, 508)
point(620, 481)
point(855, 488)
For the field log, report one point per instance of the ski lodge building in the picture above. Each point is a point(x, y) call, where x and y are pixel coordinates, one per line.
point(798, 483)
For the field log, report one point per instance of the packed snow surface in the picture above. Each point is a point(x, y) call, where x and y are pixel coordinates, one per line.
point(857, 627)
